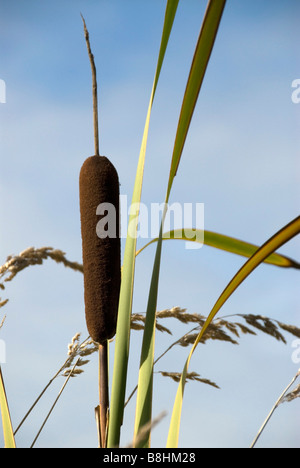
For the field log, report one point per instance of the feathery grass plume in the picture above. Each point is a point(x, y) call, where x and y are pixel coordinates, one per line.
point(295, 331)
point(78, 350)
point(214, 331)
point(179, 314)
point(73, 346)
point(192, 376)
point(269, 326)
point(32, 256)
point(219, 327)
point(265, 325)
point(135, 325)
point(74, 373)
point(137, 322)
point(292, 395)
point(245, 330)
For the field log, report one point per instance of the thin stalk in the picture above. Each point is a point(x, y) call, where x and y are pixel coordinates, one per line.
point(53, 406)
point(158, 359)
point(2, 322)
point(44, 391)
point(274, 408)
point(95, 88)
point(36, 402)
point(102, 409)
point(103, 393)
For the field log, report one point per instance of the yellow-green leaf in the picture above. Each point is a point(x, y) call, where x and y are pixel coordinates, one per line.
point(226, 243)
point(9, 439)
point(275, 242)
point(127, 284)
point(202, 54)
point(201, 58)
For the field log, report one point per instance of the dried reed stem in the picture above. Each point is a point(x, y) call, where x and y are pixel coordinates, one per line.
point(103, 393)
point(274, 408)
point(74, 349)
point(95, 92)
point(52, 407)
point(2, 322)
point(102, 410)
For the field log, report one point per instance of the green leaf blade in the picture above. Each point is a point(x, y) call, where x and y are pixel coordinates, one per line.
point(275, 242)
point(127, 283)
point(145, 382)
point(201, 58)
point(9, 439)
point(225, 243)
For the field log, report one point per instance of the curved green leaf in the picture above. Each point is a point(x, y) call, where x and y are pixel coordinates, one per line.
point(9, 439)
point(201, 58)
point(202, 54)
point(226, 243)
point(275, 242)
point(126, 292)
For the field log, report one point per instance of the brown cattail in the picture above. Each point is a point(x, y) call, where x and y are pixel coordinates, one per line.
point(99, 210)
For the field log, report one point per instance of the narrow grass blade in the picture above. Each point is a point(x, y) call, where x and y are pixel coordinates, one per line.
point(145, 381)
point(201, 58)
point(198, 68)
point(275, 242)
point(9, 439)
point(126, 293)
point(226, 243)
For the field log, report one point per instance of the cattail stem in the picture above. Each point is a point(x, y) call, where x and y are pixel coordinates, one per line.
point(274, 408)
point(99, 185)
point(95, 92)
point(103, 392)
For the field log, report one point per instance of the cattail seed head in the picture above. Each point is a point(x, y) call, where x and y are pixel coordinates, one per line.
point(99, 184)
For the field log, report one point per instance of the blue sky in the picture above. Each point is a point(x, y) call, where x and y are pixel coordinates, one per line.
point(241, 160)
